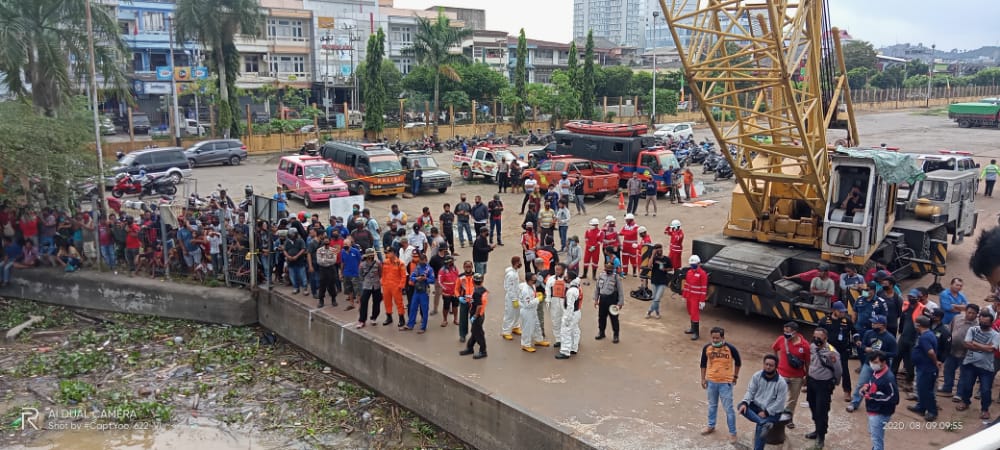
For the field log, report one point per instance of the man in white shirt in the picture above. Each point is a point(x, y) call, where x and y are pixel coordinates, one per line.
point(530, 184)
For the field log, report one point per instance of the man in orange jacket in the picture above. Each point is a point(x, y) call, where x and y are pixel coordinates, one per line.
point(695, 292)
point(477, 311)
point(393, 282)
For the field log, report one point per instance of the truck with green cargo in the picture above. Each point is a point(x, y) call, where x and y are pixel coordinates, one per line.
point(975, 114)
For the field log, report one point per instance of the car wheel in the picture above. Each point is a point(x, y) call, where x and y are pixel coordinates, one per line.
point(443, 190)
point(307, 201)
point(362, 190)
point(176, 177)
point(964, 123)
point(191, 163)
point(466, 173)
point(234, 160)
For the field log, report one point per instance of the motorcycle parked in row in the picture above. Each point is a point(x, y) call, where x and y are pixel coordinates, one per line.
point(126, 184)
point(723, 170)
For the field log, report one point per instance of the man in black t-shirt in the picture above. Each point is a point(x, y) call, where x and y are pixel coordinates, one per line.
point(659, 276)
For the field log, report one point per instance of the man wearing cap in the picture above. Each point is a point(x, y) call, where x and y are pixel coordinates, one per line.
point(447, 278)
point(371, 278)
point(823, 288)
point(421, 278)
point(570, 330)
point(823, 374)
point(591, 254)
point(925, 360)
point(477, 311)
point(913, 307)
point(793, 358)
point(877, 339)
point(982, 341)
point(839, 330)
point(958, 328)
point(565, 187)
point(326, 262)
point(695, 292)
point(659, 277)
point(437, 262)
point(511, 311)
point(608, 294)
point(630, 245)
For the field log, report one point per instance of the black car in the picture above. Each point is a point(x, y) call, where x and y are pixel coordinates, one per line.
point(166, 161)
point(432, 179)
point(140, 124)
point(216, 151)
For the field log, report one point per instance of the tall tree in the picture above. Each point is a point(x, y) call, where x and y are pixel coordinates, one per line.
point(43, 44)
point(587, 80)
point(859, 54)
point(571, 67)
point(520, 79)
point(432, 44)
point(215, 23)
point(374, 85)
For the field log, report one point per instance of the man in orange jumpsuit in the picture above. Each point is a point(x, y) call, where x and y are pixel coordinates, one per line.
point(393, 281)
point(676, 242)
point(593, 239)
point(630, 245)
point(695, 292)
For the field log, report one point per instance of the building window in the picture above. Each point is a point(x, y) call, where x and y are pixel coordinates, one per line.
point(157, 60)
point(404, 65)
point(153, 22)
point(400, 34)
point(251, 63)
point(137, 62)
point(285, 29)
point(543, 54)
point(287, 64)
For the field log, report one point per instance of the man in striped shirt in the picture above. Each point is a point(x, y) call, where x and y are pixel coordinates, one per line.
point(720, 367)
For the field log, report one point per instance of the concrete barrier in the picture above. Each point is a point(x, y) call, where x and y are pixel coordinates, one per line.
point(476, 416)
point(119, 293)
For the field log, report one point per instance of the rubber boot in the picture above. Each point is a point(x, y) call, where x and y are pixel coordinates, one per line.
point(694, 327)
point(690, 329)
point(584, 273)
point(402, 321)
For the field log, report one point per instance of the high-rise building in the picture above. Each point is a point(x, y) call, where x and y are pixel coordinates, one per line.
point(657, 34)
point(619, 21)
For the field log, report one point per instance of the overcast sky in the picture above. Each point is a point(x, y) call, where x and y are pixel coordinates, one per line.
point(961, 24)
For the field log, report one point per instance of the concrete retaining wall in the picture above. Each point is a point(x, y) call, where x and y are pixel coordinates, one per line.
point(474, 415)
point(119, 293)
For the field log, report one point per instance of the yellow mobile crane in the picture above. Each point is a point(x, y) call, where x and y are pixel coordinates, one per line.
point(770, 78)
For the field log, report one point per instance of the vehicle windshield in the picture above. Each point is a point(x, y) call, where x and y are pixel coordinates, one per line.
point(140, 120)
point(668, 161)
point(506, 155)
point(126, 160)
point(933, 190)
point(318, 171)
point(427, 162)
point(385, 165)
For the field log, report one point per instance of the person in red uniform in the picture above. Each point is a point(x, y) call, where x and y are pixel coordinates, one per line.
point(630, 245)
point(592, 253)
point(644, 237)
point(676, 242)
point(610, 238)
point(695, 293)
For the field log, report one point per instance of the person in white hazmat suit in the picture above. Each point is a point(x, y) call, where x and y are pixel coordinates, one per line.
point(555, 292)
point(511, 314)
point(528, 298)
point(570, 333)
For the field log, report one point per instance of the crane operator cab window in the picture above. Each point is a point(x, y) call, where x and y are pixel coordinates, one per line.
point(849, 198)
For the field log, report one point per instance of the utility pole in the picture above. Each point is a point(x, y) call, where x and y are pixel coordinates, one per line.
point(653, 117)
point(326, 74)
point(173, 82)
point(930, 75)
point(103, 203)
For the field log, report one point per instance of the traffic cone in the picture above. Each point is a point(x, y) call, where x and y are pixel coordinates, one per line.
point(694, 193)
point(621, 200)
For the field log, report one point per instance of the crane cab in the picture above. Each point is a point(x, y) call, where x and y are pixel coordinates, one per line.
point(860, 210)
point(945, 197)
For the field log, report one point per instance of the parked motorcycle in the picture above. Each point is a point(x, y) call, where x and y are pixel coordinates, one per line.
point(710, 163)
point(125, 184)
point(723, 171)
point(310, 147)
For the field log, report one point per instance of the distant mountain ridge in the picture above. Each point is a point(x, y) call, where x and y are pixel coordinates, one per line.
point(985, 54)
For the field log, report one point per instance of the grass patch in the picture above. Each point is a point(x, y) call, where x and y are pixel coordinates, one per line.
point(126, 408)
point(75, 391)
point(14, 312)
point(936, 111)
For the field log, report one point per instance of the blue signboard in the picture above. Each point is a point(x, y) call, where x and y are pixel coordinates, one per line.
point(199, 73)
point(164, 73)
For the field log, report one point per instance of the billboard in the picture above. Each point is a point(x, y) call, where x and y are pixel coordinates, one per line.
point(181, 73)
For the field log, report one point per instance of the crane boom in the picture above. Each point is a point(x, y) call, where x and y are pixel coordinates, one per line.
point(769, 78)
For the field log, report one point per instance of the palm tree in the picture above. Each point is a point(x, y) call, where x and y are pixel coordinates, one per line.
point(215, 23)
point(432, 46)
point(44, 54)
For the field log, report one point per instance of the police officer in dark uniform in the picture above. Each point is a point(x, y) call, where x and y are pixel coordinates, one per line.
point(477, 313)
point(839, 329)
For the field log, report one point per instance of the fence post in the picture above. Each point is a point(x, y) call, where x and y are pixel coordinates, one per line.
point(451, 115)
point(474, 117)
point(225, 261)
point(253, 244)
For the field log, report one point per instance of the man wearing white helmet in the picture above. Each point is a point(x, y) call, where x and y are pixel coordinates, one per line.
point(610, 237)
point(630, 245)
point(676, 242)
point(570, 332)
point(695, 292)
point(592, 252)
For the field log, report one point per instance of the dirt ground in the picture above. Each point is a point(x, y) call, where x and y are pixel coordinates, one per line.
point(661, 404)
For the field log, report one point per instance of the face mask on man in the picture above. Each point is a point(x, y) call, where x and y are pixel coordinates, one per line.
point(694, 266)
point(875, 366)
point(818, 342)
point(789, 335)
point(718, 344)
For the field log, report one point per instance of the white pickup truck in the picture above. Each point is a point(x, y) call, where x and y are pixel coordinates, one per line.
point(483, 161)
